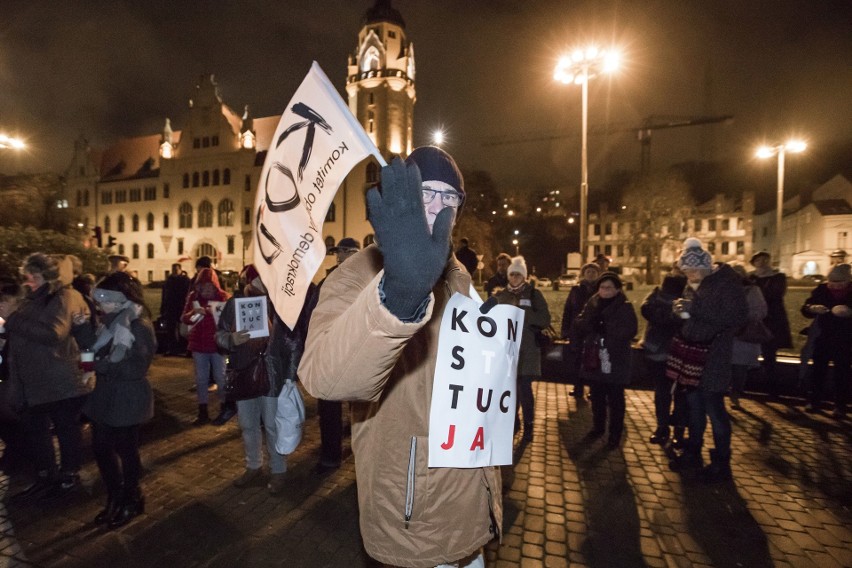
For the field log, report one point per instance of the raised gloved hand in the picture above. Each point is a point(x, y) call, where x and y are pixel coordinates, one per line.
point(414, 259)
point(240, 337)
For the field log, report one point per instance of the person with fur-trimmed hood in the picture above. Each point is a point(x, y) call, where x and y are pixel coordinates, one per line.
point(713, 309)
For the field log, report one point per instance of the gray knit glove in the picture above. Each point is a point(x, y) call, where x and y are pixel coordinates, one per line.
point(414, 259)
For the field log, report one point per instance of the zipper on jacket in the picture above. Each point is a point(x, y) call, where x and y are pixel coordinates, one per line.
point(409, 483)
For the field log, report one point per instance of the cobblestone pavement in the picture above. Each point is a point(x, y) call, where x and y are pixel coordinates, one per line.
point(567, 502)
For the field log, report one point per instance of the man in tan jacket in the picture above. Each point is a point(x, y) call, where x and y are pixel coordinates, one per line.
point(373, 338)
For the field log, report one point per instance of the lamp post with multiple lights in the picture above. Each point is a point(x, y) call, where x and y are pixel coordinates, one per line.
point(780, 150)
point(578, 68)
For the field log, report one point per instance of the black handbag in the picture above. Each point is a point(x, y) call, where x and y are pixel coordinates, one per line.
point(249, 382)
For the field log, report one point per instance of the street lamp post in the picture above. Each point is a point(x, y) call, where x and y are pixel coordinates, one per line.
point(578, 68)
point(794, 146)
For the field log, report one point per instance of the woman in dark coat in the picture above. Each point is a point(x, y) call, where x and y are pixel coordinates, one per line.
point(606, 327)
point(773, 285)
point(122, 399)
point(574, 304)
point(44, 360)
point(830, 304)
point(520, 293)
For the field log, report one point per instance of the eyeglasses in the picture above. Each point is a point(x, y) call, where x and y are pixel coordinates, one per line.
point(449, 198)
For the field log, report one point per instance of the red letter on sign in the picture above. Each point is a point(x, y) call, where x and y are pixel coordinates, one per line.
point(478, 440)
point(449, 443)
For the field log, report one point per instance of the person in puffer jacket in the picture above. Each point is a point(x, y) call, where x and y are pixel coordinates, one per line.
point(373, 338)
point(198, 311)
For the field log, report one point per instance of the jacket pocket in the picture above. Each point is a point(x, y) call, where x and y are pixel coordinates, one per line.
point(409, 481)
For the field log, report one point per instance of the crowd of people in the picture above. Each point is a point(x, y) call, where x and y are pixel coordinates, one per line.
point(77, 350)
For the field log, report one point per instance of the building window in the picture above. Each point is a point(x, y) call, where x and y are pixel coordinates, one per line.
point(205, 214)
point(726, 224)
point(226, 213)
point(369, 239)
point(215, 177)
point(120, 195)
point(121, 223)
point(150, 250)
point(180, 246)
point(740, 247)
point(151, 193)
point(206, 249)
point(150, 222)
point(329, 217)
point(135, 195)
point(86, 198)
point(214, 141)
point(226, 177)
point(205, 179)
point(711, 225)
point(247, 185)
point(166, 191)
point(247, 216)
point(120, 249)
point(697, 225)
point(391, 34)
point(230, 245)
point(196, 143)
point(107, 224)
point(608, 250)
point(329, 243)
point(79, 198)
point(725, 247)
point(165, 220)
point(372, 173)
point(135, 253)
point(185, 216)
point(608, 229)
point(106, 197)
point(195, 179)
point(372, 99)
point(186, 180)
point(150, 276)
point(711, 247)
point(134, 223)
point(596, 229)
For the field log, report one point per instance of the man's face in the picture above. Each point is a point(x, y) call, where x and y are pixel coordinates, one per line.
point(591, 274)
point(344, 252)
point(502, 265)
point(694, 275)
point(33, 280)
point(436, 196)
point(761, 262)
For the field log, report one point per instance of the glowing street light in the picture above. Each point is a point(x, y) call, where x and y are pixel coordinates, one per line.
point(11, 143)
point(780, 150)
point(578, 68)
point(438, 137)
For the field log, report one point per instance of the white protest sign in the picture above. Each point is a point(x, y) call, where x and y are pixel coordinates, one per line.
point(472, 418)
point(251, 316)
point(316, 144)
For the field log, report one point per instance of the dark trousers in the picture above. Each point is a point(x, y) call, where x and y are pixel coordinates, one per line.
point(608, 398)
point(770, 354)
point(662, 393)
point(331, 431)
point(65, 416)
point(842, 357)
point(526, 400)
point(116, 451)
point(703, 404)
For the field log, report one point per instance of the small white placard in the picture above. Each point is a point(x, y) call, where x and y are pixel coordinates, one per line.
point(252, 316)
point(216, 309)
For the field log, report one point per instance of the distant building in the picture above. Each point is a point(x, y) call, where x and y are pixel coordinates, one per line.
point(180, 194)
point(723, 224)
point(810, 231)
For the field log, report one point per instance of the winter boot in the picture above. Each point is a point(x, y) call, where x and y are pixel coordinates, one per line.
point(132, 504)
point(679, 441)
point(227, 411)
point(660, 436)
point(719, 469)
point(111, 508)
point(687, 461)
point(202, 418)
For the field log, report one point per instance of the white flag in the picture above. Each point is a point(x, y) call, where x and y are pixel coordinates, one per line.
point(316, 144)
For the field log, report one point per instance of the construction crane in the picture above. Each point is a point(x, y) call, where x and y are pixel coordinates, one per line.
point(658, 122)
point(643, 132)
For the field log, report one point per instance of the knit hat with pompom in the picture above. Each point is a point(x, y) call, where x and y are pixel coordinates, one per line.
point(693, 256)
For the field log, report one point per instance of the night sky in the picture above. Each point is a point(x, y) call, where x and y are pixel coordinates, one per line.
point(115, 68)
